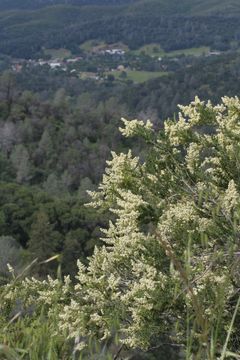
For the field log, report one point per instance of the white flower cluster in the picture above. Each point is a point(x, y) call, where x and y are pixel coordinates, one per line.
point(193, 157)
point(177, 131)
point(120, 170)
point(231, 198)
point(131, 127)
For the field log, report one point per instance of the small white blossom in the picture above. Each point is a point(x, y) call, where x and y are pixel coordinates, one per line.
point(131, 126)
point(231, 198)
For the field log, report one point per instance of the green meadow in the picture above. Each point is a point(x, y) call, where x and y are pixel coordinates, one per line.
point(58, 53)
point(138, 76)
point(156, 51)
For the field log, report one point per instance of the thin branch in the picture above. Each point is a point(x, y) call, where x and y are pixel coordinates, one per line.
point(164, 344)
point(118, 352)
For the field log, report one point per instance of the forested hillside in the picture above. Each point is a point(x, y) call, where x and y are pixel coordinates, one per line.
point(138, 261)
point(172, 24)
point(56, 133)
point(35, 4)
point(173, 7)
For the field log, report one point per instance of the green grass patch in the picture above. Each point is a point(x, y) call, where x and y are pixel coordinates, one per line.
point(92, 45)
point(87, 75)
point(97, 45)
point(138, 76)
point(156, 51)
point(150, 49)
point(58, 53)
point(192, 51)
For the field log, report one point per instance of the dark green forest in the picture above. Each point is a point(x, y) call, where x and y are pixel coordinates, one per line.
point(56, 133)
point(68, 24)
point(34, 4)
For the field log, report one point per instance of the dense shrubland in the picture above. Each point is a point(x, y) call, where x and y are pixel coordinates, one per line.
point(168, 271)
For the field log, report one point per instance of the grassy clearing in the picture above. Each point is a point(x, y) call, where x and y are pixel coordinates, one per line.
point(92, 45)
point(58, 53)
point(97, 45)
point(150, 49)
point(192, 51)
point(138, 76)
point(156, 51)
point(87, 75)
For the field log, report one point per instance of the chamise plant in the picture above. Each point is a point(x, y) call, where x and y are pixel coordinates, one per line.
point(169, 267)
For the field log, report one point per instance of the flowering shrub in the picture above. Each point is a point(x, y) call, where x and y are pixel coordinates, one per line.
point(169, 267)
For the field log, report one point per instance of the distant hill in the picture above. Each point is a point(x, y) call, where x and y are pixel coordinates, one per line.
point(28, 26)
point(35, 4)
point(187, 7)
point(167, 7)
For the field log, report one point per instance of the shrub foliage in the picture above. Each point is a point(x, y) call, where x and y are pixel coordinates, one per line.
point(169, 267)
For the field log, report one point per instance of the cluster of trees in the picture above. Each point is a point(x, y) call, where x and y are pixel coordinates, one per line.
point(208, 77)
point(43, 140)
point(35, 224)
point(56, 133)
point(101, 63)
point(51, 153)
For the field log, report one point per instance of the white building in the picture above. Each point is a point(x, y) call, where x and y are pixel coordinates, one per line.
point(115, 52)
point(54, 64)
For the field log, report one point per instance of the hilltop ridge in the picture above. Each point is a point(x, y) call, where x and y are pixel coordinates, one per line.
point(165, 7)
point(35, 4)
point(68, 23)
